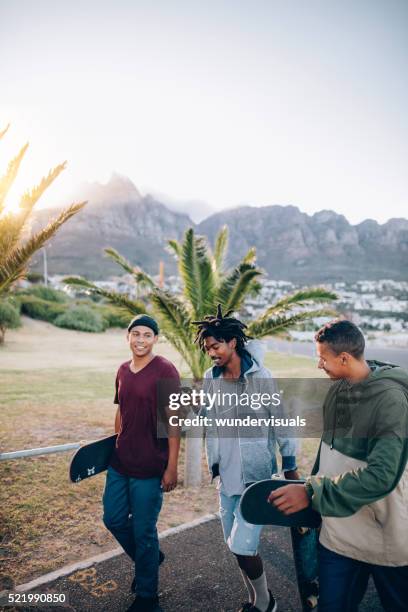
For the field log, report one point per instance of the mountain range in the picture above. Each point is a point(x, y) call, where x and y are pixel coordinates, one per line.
point(290, 244)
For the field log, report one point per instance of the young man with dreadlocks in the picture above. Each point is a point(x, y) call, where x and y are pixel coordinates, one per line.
point(242, 458)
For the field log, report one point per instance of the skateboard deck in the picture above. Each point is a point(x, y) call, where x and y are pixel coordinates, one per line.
point(92, 459)
point(256, 510)
point(303, 530)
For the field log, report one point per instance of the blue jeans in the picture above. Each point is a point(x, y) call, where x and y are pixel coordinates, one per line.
point(131, 509)
point(343, 583)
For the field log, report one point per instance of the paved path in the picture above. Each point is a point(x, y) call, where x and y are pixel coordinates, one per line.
point(198, 575)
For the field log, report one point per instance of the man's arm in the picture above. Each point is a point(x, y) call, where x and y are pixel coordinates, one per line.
point(386, 460)
point(116, 401)
point(169, 480)
point(288, 447)
point(345, 494)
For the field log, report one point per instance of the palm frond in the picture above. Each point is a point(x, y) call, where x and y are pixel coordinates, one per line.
point(220, 248)
point(250, 256)
point(16, 224)
point(241, 288)
point(140, 276)
point(120, 260)
point(31, 197)
point(10, 230)
point(134, 307)
point(234, 287)
point(3, 132)
point(8, 179)
point(175, 246)
point(175, 323)
point(14, 264)
point(197, 274)
point(172, 311)
point(300, 299)
point(188, 267)
point(269, 326)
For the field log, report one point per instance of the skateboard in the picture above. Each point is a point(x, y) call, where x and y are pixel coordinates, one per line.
point(256, 510)
point(92, 459)
point(303, 525)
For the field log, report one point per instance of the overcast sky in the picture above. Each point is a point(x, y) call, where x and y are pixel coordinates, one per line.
point(260, 102)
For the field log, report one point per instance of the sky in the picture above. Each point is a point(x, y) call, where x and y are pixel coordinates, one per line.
point(220, 103)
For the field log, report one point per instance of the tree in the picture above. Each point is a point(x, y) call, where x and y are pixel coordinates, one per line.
point(206, 283)
point(17, 245)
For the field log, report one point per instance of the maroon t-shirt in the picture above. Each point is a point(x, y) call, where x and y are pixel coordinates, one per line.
point(139, 453)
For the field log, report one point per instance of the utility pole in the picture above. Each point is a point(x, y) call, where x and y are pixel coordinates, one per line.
point(45, 268)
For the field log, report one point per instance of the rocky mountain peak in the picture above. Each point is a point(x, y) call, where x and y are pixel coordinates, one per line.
point(119, 189)
point(290, 244)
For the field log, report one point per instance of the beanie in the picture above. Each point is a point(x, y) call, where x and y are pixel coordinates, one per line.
point(144, 319)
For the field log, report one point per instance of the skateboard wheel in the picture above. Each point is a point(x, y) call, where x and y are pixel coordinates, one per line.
point(303, 530)
point(311, 601)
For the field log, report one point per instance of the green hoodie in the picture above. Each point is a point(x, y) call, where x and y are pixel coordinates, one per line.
point(360, 477)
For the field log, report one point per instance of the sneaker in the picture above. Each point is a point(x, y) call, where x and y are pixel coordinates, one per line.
point(272, 606)
point(245, 607)
point(145, 604)
point(162, 557)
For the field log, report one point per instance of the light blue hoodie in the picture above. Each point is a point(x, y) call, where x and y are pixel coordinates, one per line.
point(258, 454)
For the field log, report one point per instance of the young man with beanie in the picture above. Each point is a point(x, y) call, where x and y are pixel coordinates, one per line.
point(241, 459)
point(142, 465)
point(360, 477)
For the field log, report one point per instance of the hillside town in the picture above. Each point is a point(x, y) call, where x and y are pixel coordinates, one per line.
point(378, 307)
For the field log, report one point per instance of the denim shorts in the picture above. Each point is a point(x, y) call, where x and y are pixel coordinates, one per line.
point(241, 537)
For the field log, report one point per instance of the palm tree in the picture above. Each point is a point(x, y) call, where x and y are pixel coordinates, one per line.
point(17, 245)
point(206, 283)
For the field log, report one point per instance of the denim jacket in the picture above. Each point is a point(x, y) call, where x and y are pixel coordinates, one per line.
point(258, 450)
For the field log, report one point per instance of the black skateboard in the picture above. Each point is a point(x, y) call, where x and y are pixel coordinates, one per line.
point(92, 459)
point(303, 525)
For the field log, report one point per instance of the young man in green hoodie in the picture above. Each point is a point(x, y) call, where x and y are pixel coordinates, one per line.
point(360, 477)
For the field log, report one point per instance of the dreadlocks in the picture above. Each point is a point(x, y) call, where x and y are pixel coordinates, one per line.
point(221, 327)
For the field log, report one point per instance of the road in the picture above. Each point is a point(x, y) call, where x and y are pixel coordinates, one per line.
point(397, 356)
point(198, 575)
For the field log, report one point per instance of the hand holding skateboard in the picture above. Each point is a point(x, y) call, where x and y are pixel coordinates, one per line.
point(257, 509)
point(289, 499)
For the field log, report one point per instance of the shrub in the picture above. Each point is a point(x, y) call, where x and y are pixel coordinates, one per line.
point(9, 318)
point(35, 277)
point(114, 317)
point(47, 293)
point(82, 318)
point(36, 308)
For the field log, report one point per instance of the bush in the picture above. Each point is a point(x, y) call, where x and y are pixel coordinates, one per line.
point(82, 318)
point(114, 317)
point(35, 277)
point(47, 293)
point(9, 318)
point(36, 308)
